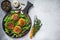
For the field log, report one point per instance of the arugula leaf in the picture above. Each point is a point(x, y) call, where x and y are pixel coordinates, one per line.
point(20, 34)
point(8, 18)
point(22, 15)
point(26, 27)
point(5, 18)
point(12, 11)
point(26, 19)
point(6, 30)
point(16, 23)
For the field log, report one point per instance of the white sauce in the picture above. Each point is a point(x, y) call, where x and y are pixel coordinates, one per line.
point(15, 3)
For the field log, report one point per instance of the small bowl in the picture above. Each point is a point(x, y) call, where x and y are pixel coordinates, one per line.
point(6, 6)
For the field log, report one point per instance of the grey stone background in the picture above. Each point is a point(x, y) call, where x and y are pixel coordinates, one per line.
point(48, 11)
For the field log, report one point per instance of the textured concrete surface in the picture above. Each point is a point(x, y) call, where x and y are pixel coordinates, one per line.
point(48, 11)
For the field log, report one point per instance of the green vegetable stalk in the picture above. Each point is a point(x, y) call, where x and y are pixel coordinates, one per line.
point(37, 25)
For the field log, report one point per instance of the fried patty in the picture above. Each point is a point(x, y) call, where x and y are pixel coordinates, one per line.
point(17, 29)
point(10, 25)
point(15, 17)
point(21, 22)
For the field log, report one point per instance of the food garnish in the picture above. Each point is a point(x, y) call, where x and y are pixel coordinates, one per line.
point(37, 25)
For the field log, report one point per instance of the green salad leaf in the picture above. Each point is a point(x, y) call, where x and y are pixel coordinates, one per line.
point(22, 15)
point(12, 11)
point(6, 30)
point(26, 27)
point(8, 18)
point(16, 24)
point(26, 19)
point(20, 34)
